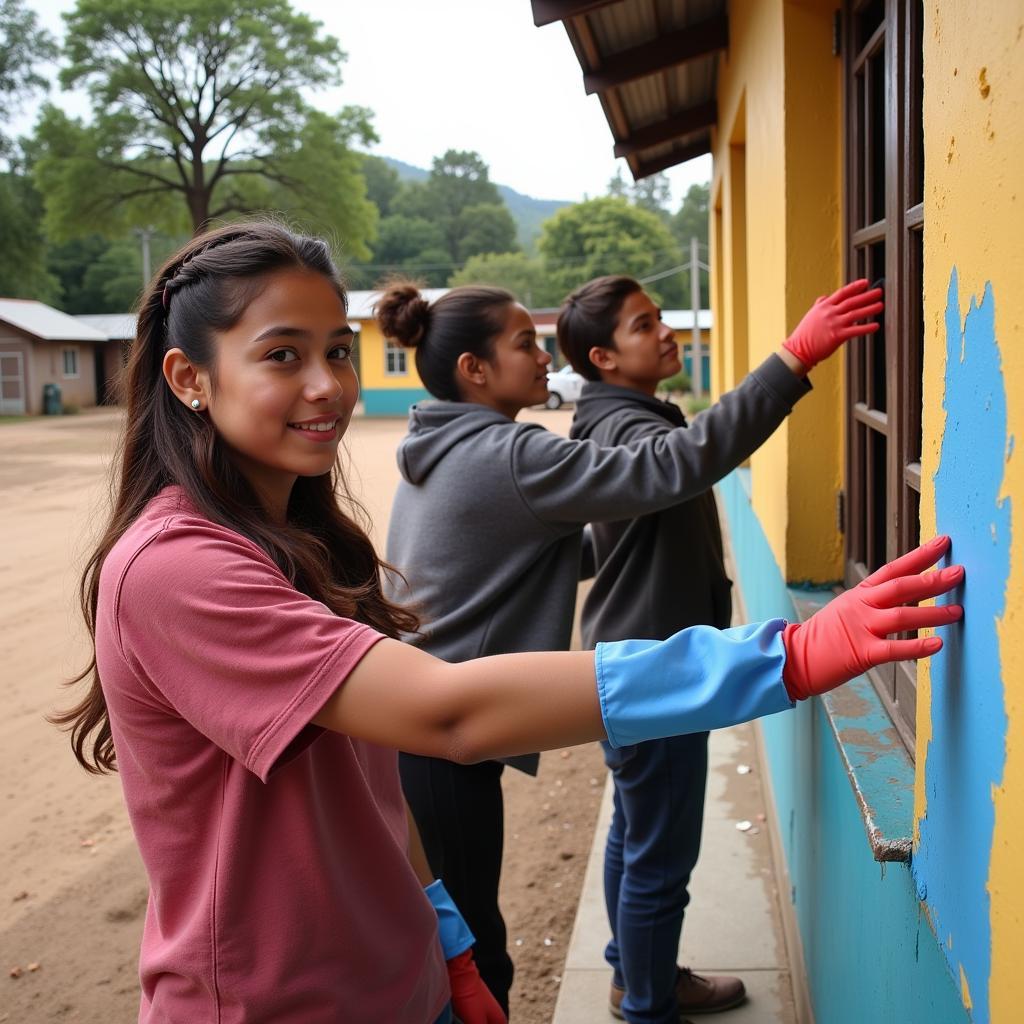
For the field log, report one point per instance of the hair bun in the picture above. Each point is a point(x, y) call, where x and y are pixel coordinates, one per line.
point(403, 313)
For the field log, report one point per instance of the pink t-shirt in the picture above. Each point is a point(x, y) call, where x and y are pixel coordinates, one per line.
point(280, 889)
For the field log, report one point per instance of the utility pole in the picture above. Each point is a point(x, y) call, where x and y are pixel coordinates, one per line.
point(144, 235)
point(696, 356)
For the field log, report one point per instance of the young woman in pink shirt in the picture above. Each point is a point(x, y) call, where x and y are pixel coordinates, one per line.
point(248, 685)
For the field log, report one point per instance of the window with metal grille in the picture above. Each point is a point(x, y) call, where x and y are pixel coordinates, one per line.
point(882, 46)
point(394, 359)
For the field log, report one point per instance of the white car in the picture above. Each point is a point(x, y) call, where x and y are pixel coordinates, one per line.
point(564, 385)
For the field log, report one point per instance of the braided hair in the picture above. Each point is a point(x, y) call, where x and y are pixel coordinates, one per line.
point(324, 551)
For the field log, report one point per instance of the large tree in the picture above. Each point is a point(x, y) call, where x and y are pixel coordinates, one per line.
point(202, 101)
point(23, 45)
point(523, 275)
point(382, 182)
point(459, 197)
point(608, 235)
point(23, 271)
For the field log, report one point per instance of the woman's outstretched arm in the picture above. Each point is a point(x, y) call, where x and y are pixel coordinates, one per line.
point(635, 690)
point(402, 697)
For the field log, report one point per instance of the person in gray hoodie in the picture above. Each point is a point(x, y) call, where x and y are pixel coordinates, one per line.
point(656, 574)
point(487, 530)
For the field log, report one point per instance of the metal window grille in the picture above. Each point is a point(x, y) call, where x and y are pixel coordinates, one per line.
point(883, 85)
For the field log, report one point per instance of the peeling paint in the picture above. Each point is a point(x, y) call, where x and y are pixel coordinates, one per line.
point(966, 751)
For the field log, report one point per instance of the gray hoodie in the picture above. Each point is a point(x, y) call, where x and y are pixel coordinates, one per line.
point(658, 573)
point(488, 518)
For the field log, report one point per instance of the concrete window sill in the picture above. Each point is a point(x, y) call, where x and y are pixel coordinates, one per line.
point(876, 761)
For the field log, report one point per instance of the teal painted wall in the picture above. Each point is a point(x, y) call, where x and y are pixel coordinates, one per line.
point(391, 401)
point(705, 369)
point(870, 954)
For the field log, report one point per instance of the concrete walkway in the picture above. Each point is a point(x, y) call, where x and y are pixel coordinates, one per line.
point(732, 926)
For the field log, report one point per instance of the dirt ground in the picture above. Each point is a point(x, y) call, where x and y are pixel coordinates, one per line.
point(73, 893)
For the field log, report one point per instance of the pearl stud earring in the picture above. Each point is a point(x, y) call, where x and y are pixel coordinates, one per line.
point(195, 403)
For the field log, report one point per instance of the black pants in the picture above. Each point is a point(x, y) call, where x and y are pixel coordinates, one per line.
point(461, 817)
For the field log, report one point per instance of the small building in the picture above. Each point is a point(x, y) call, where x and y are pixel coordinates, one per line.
point(681, 321)
point(388, 381)
point(111, 359)
point(41, 346)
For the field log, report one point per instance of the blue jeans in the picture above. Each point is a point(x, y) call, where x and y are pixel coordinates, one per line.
point(652, 847)
point(446, 1015)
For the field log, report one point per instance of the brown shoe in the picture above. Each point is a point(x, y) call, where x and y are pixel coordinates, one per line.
point(695, 993)
point(708, 993)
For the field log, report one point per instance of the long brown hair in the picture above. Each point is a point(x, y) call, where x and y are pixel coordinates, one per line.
point(201, 290)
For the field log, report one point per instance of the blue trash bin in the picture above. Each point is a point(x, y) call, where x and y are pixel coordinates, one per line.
point(52, 404)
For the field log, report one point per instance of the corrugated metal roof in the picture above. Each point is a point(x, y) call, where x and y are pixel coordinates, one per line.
point(360, 304)
point(653, 64)
point(682, 319)
point(45, 322)
point(116, 326)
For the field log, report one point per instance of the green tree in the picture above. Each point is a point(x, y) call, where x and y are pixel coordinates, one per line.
point(409, 245)
point(382, 182)
point(23, 271)
point(524, 276)
point(98, 275)
point(651, 193)
point(607, 235)
point(464, 203)
point(202, 101)
point(485, 227)
point(23, 45)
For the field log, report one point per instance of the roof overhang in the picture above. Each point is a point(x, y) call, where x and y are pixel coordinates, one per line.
point(654, 67)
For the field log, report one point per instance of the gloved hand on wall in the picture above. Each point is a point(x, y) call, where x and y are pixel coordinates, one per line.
point(832, 320)
point(849, 635)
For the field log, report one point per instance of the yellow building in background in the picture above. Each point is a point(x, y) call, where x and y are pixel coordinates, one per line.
point(389, 383)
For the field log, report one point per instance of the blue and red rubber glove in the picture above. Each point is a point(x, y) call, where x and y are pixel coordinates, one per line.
point(472, 1001)
point(849, 635)
point(832, 320)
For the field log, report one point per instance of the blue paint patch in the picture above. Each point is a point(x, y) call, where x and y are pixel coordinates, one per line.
point(869, 952)
point(967, 750)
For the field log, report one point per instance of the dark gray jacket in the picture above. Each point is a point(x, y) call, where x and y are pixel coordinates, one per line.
point(488, 517)
point(657, 573)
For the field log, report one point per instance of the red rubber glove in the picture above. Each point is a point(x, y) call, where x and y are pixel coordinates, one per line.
point(848, 635)
point(472, 1001)
point(832, 320)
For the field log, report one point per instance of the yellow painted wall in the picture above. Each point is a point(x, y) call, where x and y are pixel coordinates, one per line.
point(974, 190)
point(779, 128)
point(371, 361)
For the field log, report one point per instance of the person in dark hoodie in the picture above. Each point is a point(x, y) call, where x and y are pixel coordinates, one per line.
point(656, 573)
point(488, 519)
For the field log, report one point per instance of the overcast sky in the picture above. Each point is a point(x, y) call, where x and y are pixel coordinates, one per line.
point(461, 74)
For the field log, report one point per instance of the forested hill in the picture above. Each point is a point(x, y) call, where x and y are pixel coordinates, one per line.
point(527, 212)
